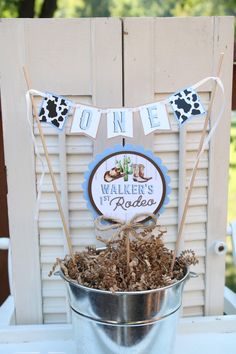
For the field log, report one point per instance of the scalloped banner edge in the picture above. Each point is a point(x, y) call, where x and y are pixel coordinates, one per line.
point(119, 148)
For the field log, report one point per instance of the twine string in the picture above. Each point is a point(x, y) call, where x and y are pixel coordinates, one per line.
point(126, 229)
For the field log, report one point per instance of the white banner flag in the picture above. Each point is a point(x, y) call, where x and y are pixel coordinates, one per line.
point(119, 122)
point(154, 117)
point(86, 121)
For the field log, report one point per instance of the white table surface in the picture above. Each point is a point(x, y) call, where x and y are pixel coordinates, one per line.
point(203, 335)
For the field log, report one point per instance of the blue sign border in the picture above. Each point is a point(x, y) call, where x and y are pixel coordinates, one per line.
point(117, 149)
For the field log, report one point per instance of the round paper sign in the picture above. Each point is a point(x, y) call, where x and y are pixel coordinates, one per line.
point(127, 182)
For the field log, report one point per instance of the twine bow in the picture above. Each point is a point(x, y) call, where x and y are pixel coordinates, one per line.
point(126, 228)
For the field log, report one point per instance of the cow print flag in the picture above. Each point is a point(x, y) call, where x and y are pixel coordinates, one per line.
point(54, 110)
point(186, 104)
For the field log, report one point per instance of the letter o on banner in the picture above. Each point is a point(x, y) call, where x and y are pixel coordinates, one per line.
point(86, 121)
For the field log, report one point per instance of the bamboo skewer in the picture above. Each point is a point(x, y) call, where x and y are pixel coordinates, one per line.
point(63, 219)
point(190, 188)
point(128, 250)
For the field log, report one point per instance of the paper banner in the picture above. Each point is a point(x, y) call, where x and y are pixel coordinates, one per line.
point(185, 104)
point(54, 110)
point(154, 117)
point(119, 122)
point(86, 121)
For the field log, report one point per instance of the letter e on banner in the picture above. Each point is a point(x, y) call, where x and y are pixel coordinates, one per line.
point(154, 117)
point(86, 121)
point(119, 122)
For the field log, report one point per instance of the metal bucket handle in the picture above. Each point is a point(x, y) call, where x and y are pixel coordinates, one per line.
point(193, 275)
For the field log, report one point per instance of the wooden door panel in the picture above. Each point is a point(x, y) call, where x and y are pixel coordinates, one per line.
point(4, 230)
point(94, 61)
point(82, 60)
point(162, 55)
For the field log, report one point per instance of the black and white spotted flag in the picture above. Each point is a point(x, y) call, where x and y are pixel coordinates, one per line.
point(54, 110)
point(186, 104)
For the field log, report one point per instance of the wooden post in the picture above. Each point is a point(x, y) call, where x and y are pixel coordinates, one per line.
point(63, 219)
point(191, 183)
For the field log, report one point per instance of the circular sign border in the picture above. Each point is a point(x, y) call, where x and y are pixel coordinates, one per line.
point(126, 152)
point(119, 149)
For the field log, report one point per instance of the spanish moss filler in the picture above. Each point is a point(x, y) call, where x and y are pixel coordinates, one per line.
point(107, 269)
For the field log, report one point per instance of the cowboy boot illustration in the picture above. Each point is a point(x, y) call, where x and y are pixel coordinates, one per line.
point(138, 173)
point(135, 171)
point(141, 173)
point(141, 170)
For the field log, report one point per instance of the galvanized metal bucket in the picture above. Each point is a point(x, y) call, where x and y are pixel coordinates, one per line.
point(140, 322)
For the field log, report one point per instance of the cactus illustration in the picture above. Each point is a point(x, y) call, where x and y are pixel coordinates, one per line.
point(125, 166)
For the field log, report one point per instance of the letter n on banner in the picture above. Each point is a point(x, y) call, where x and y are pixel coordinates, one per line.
point(86, 120)
point(119, 122)
point(154, 117)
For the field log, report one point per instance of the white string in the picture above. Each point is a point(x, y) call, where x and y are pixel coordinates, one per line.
point(138, 108)
point(29, 115)
point(213, 129)
point(203, 81)
point(134, 109)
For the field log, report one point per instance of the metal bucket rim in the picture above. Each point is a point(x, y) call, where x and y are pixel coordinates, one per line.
point(138, 292)
point(135, 323)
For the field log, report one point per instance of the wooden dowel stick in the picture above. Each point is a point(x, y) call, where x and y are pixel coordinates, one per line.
point(63, 219)
point(190, 188)
point(128, 250)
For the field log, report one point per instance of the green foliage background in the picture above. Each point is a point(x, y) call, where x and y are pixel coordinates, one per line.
point(97, 8)
point(230, 266)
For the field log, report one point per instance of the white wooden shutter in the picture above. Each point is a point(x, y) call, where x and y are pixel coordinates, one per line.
point(99, 48)
point(82, 59)
point(163, 55)
point(70, 156)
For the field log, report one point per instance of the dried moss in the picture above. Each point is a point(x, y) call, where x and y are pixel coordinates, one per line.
point(149, 266)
